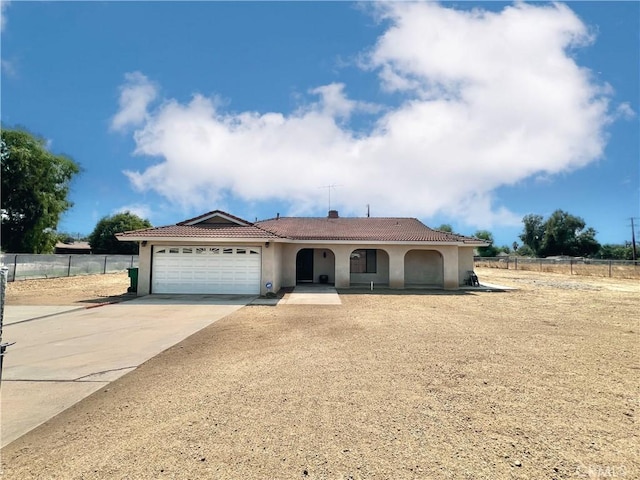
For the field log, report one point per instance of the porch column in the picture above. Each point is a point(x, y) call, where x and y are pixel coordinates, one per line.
point(450, 260)
point(144, 270)
point(269, 273)
point(288, 265)
point(343, 265)
point(396, 267)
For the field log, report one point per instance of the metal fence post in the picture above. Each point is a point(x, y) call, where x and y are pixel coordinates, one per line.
point(69, 267)
point(609, 268)
point(104, 270)
point(15, 267)
point(571, 266)
point(516, 263)
point(3, 286)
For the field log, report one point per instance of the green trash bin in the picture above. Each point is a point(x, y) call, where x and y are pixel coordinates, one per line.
point(133, 279)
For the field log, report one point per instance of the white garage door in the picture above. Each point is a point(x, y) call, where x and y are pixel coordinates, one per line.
point(220, 269)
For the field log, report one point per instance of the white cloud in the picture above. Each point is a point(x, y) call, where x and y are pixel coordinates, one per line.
point(625, 111)
point(3, 15)
point(334, 102)
point(135, 96)
point(490, 100)
point(140, 209)
point(8, 68)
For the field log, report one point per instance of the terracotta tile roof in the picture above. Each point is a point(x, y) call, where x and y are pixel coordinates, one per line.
point(186, 231)
point(361, 229)
point(303, 228)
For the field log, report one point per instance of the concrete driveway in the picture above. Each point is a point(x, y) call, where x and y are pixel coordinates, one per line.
point(63, 354)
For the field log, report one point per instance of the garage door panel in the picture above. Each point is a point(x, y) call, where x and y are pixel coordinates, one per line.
point(197, 269)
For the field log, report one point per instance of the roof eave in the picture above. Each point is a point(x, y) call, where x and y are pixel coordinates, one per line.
point(381, 242)
point(193, 240)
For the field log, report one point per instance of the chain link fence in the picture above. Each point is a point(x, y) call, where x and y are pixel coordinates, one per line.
point(567, 266)
point(24, 266)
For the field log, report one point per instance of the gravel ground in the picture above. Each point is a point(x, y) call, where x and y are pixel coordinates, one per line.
point(540, 382)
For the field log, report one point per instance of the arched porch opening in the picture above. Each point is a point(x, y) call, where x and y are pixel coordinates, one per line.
point(315, 265)
point(368, 265)
point(423, 269)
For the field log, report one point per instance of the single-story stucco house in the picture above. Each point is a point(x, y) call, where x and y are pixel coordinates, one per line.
point(220, 253)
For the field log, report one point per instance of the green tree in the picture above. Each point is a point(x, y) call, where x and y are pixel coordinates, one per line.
point(561, 234)
point(445, 227)
point(35, 187)
point(525, 251)
point(103, 240)
point(491, 250)
point(533, 232)
point(504, 249)
point(615, 252)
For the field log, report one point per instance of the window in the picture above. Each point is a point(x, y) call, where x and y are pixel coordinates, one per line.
point(241, 251)
point(227, 251)
point(364, 261)
point(187, 250)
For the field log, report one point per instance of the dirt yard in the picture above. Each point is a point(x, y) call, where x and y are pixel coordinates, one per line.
point(539, 382)
point(68, 290)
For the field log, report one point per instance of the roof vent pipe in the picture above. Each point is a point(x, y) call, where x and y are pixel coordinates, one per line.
point(333, 214)
point(278, 216)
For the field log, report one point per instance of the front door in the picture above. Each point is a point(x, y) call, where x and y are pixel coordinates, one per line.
point(304, 266)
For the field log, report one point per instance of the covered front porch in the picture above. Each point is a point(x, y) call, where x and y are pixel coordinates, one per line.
point(393, 266)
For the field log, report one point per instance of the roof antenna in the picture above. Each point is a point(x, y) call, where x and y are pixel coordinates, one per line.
point(329, 187)
point(368, 212)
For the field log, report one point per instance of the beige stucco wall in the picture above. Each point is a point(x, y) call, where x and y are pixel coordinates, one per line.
point(144, 270)
point(447, 265)
point(270, 269)
point(465, 260)
point(423, 268)
point(321, 265)
point(324, 263)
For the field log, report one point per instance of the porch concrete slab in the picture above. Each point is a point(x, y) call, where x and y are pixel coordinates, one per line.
point(312, 295)
point(20, 313)
point(493, 286)
point(58, 360)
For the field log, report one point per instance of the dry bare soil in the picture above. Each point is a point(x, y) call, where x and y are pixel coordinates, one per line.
point(539, 382)
point(68, 290)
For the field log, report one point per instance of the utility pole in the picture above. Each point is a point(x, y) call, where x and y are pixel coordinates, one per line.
point(633, 241)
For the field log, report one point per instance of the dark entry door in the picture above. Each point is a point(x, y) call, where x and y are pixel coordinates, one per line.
point(304, 266)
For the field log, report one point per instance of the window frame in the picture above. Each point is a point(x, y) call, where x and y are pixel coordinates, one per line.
point(365, 260)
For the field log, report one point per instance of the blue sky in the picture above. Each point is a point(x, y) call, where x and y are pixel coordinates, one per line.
point(472, 114)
